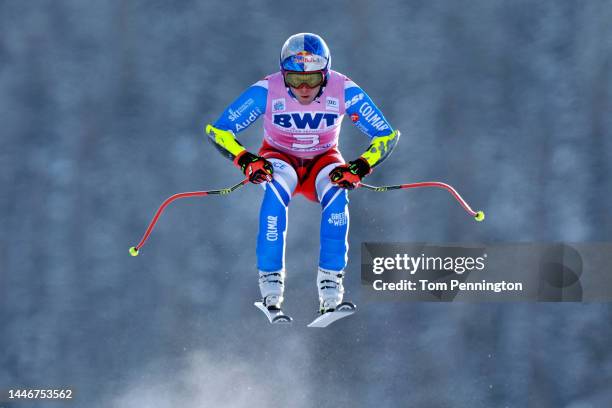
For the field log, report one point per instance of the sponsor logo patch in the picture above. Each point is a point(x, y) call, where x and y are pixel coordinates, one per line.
point(235, 114)
point(254, 114)
point(272, 228)
point(337, 219)
point(354, 100)
point(305, 120)
point(304, 57)
point(371, 116)
point(354, 117)
point(278, 165)
point(332, 103)
point(278, 105)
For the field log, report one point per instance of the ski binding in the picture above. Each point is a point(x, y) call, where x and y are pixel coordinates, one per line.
point(344, 309)
point(274, 316)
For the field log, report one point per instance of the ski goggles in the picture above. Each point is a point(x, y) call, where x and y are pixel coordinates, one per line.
point(310, 79)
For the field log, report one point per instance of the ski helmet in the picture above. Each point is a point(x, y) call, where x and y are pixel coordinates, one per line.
point(305, 52)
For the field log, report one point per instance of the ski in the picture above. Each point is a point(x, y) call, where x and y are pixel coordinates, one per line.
point(274, 316)
point(344, 309)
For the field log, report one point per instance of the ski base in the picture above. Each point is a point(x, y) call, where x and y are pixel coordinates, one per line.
point(274, 316)
point(344, 309)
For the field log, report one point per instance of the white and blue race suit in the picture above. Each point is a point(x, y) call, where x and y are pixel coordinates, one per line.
point(242, 113)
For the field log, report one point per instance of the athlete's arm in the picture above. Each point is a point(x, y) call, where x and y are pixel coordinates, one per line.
point(239, 115)
point(368, 118)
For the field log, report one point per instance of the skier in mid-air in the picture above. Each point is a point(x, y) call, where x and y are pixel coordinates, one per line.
point(302, 107)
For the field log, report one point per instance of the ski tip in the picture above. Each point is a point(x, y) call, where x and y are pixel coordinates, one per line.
point(133, 251)
point(480, 216)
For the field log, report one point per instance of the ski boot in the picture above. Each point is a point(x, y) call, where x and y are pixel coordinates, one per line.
point(271, 286)
point(331, 292)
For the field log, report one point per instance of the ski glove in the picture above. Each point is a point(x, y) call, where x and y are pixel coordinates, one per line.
point(349, 175)
point(256, 168)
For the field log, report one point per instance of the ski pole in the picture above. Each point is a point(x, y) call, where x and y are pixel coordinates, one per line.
point(224, 191)
point(478, 215)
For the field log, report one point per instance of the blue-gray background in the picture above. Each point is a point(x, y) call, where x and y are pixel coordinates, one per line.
point(102, 106)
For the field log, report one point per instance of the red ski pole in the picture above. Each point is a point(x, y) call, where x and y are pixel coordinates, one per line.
point(224, 191)
point(478, 215)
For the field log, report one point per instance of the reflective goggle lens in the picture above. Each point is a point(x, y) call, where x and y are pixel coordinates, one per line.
point(311, 80)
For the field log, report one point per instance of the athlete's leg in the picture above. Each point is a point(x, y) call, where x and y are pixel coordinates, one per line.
point(272, 231)
point(334, 239)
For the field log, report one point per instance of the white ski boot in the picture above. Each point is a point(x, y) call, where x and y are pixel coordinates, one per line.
point(272, 286)
point(331, 292)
